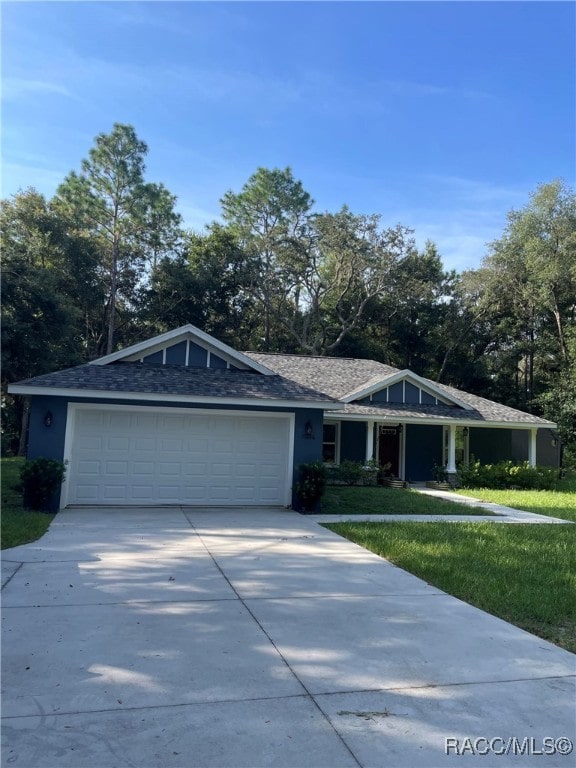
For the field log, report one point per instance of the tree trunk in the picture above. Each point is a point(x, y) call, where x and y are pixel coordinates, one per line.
point(25, 423)
point(113, 290)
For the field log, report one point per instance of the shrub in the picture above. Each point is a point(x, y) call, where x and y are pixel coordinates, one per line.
point(310, 485)
point(354, 472)
point(40, 478)
point(506, 474)
point(350, 472)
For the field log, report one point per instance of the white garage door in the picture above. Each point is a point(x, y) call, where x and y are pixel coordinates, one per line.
point(140, 456)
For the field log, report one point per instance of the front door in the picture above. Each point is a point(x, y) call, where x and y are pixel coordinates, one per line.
point(389, 450)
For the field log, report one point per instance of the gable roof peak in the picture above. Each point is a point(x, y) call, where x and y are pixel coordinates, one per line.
point(183, 333)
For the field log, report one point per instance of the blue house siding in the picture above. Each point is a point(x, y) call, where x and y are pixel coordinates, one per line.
point(176, 354)
point(548, 448)
point(423, 451)
point(396, 393)
point(198, 356)
point(47, 441)
point(490, 446)
point(352, 441)
point(412, 393)
point(43, 440)
point(217, 362)
point(493, 445)
point(155, 357)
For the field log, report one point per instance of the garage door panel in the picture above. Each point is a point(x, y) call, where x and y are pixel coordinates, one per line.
point(113, 468)
point(87, 493)
point(187, 458)
point(145, 468)
point(143, 492)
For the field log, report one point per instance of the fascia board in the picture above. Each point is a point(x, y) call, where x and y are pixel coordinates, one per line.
point(185, 332)
point(92, 394)
point(413, 378)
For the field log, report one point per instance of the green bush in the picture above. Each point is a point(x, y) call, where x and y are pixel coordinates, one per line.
point(354, 472)
point(506, 474)
point(310, 485)
point(350, 472)
point(40, 479)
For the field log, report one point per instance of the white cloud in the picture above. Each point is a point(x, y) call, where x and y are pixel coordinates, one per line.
point(14, 88)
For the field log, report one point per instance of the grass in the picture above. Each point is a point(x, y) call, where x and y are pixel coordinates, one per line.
point(559, 503)
point(379, 500)
point(19, 525)
point(524, 574)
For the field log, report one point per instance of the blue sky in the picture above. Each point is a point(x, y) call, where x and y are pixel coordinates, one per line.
point(442, 116)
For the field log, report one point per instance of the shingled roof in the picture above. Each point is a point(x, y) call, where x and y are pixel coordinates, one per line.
point(339, 377)
point(144, 378)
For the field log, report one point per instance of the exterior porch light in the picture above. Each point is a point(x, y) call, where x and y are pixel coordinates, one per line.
point(308, 431)
point(465, 432)
point(400, 428)
point(48, 418)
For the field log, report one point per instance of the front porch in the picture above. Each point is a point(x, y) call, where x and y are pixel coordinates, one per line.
point(413, 452)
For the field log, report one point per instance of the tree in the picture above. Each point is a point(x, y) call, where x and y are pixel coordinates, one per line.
point(269, 217)
point(48, 277)
point(558, 403)
point(347, 264)
point(528, 295)
point(404, 326)
point(130, 220)
point(204, 286)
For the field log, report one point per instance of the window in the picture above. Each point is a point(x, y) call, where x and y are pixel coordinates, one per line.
point(329, 443)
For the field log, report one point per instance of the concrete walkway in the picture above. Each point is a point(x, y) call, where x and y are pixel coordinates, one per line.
point(244, 638)
point(499, 513)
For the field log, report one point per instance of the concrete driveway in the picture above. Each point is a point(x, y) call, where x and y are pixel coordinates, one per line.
point(247, 638)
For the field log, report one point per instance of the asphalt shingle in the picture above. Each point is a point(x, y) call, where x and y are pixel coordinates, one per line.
point(337, 376)
point(340, 377)
point(144, 378)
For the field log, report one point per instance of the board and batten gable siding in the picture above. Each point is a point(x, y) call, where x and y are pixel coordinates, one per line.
point(50, 441)
point(402, 392)
point(187, 353)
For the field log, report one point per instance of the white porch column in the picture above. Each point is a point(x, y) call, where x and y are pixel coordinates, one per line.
point(532, 448)
point(451, 465)
point(369, 440)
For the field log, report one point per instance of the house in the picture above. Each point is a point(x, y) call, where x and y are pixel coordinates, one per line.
point(184, 419)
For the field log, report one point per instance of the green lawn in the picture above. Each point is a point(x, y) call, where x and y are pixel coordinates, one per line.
point(559, 503)
point(524, 574)
point(19, 526)
point(379, 500)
